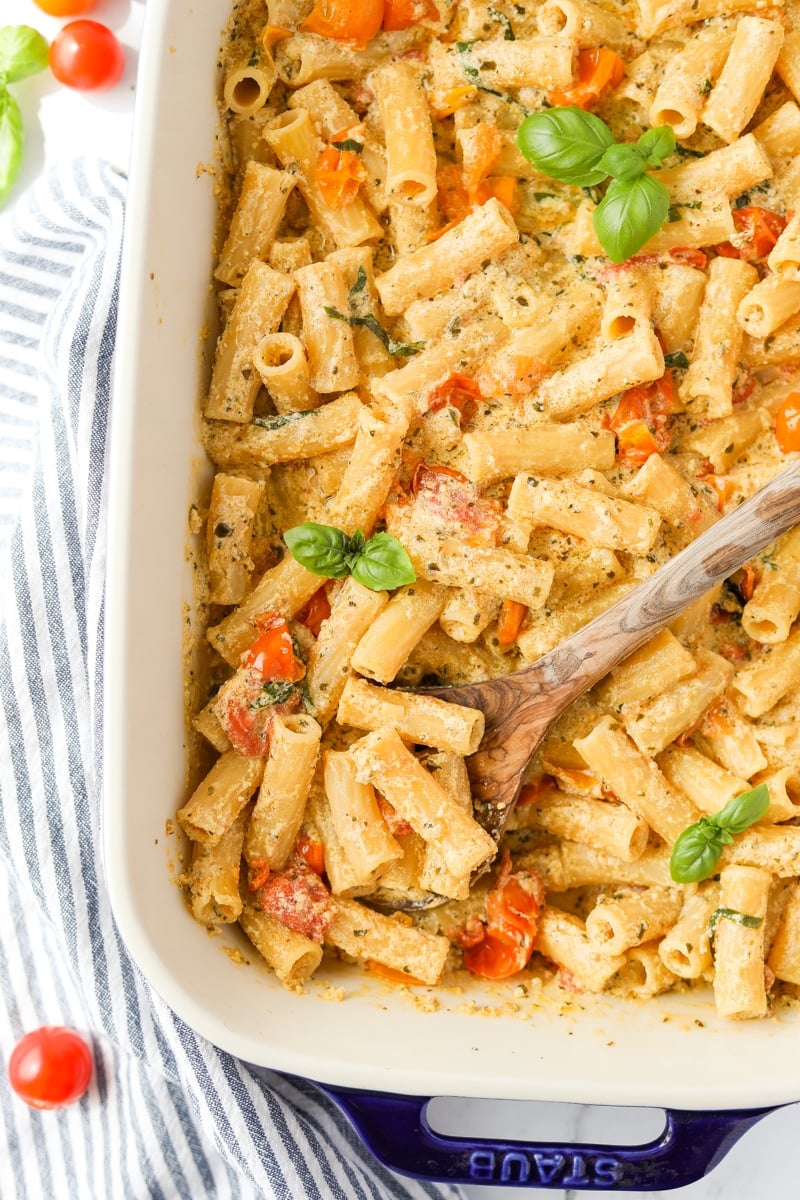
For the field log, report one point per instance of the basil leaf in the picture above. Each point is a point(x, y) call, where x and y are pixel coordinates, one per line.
point(355, 548)
point(383, 564)
point(676, 359)
point(622, 162)
point(371, 322)
point(360, 283)
point(321, 549)
point(567, 144)
point(696, 852)
point(743, 811)
point(23, 52)
point(278, 420)
point(629, 215)
point(508, 34)
point(349, 144)
point(730, 914)
point(398, 349)
point(656, 144)
point(380, 563)
point(12, 141)
point(471, 72)
point(276, 691)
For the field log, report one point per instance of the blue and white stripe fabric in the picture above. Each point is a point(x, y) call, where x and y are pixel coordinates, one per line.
point(167, 1114)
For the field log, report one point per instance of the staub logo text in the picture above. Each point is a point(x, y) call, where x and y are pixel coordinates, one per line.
point(568, 1170)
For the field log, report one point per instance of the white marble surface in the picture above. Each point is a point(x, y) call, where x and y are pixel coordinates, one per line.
point(766, 1162)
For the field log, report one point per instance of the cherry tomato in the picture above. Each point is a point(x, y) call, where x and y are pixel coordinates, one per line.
point(512, 908)
point(50, 1067)
point(457, 391)
point(340, 173)
point(453, 500)
point(315, 612)
point(297, 897)
point(272, 653)
point(393, 975)
point(763, 228)
point(787, 423)
point(345, 21)
point(87, 56)
point(692, 258)
point(641, 420)
point(65, 8)
point(599, 70)
point(400, 14)
point(512, 614)
point(312, 853)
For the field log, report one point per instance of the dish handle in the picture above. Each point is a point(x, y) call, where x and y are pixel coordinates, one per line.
point(397, 1132)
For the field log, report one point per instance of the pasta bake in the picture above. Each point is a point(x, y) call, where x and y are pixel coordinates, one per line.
point(463, 400)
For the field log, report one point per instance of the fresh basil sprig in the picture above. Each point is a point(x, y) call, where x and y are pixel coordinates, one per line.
point(629, 214)
point(578, 148)
point(696, 852)
point(567, 144)
point(380, 562)
point(23, 52)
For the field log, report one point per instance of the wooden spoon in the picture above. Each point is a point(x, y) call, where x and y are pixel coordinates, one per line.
point(520, 708)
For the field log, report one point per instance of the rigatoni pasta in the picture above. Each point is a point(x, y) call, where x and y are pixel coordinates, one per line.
point(447, 431)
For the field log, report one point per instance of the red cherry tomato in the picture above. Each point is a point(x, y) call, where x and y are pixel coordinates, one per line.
point(787, 423)
point(87, 56)
point(50, 1067)
point(345, 21)
point(65, 8)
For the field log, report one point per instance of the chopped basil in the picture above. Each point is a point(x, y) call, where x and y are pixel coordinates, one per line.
point(349, 144)
point(730, 914)
point(508, 32)
point(474, 76)
point(276, 691)
point(360, 283)
point(278, 420)
point(371, 322)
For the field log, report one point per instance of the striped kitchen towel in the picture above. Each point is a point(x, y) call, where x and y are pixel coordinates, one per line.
point(167, 1114)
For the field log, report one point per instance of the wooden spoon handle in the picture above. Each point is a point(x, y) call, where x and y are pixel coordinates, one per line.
point(585, 657)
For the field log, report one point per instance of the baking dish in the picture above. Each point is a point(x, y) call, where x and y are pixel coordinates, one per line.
point(671, 1053)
